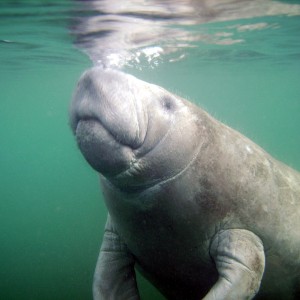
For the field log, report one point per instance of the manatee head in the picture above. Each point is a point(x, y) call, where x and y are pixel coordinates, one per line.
point(134, 133)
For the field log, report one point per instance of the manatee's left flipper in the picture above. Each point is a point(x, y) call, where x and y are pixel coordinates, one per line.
point(240, 261)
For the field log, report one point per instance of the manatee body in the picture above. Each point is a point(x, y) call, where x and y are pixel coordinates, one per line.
point(198, 208)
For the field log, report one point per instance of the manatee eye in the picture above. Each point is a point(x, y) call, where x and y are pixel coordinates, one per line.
point(167, 103)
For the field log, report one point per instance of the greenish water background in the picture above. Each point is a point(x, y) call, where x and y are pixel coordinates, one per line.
point(51, 211)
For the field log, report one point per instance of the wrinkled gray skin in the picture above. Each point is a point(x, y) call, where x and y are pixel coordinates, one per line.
point(198, 208)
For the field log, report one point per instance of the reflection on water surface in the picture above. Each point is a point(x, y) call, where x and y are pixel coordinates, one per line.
point(137, 33)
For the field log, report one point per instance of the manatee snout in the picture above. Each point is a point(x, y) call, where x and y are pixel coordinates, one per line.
point(106, 97)
point(107, 121)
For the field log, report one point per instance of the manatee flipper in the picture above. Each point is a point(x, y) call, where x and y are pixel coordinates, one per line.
point(114, 276)
point(240, 261)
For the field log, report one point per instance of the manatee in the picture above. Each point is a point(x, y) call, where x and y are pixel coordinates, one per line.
point(196, 207)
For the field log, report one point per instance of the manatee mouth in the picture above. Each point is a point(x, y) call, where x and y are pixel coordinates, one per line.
point(102, 151)
point(116, 131)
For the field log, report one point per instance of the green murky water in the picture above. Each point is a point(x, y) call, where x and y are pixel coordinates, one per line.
point(51, 211)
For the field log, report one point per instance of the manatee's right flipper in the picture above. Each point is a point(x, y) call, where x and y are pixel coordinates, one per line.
point(240, 260)
point(114, 277)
